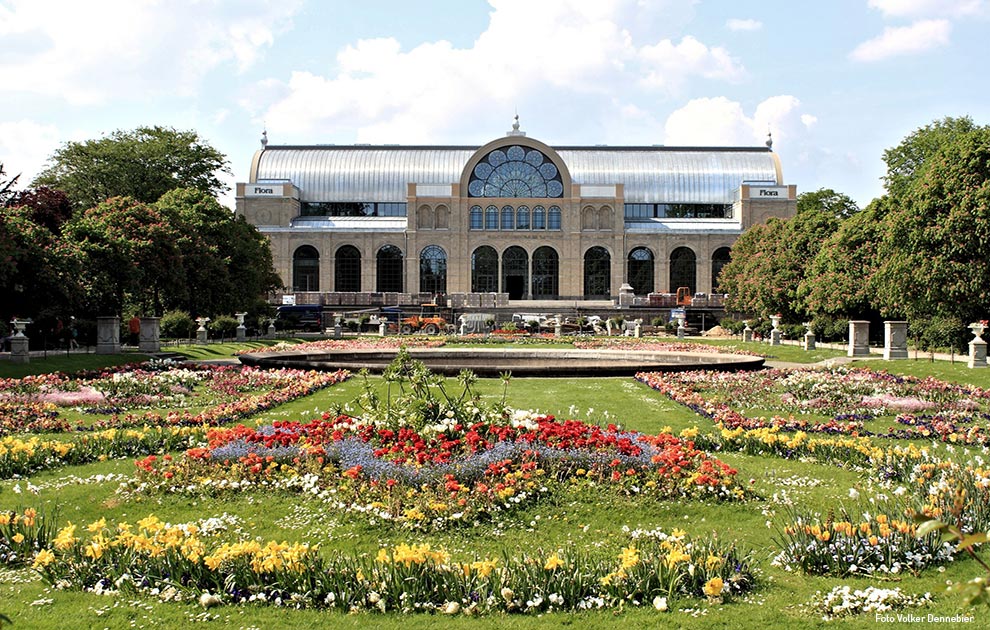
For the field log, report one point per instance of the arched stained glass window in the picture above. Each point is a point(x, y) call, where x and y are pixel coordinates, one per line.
point(597, 273)
point(546, 270)
point(508, 217)
point(306, 269)
point(720, 258)
point(553, 218)
point(515, 272)
point(522, 218)
point(539, 218)
point(477, 218)
point(484, 270)
point(389, 276)
point(515, 171)
point(683, 270)
point(641, 271)
point(347, 269)
point(433, 270)
point(491, 218)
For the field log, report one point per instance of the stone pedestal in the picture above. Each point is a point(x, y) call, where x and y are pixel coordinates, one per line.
point(271, 331)
point(241, 328)
point(859, 338)
point(747, 334)
point(19, 349)
point(626, 296)
point(107, 335)
point(337, 331)
point(680, 328)
point(558, 330)
point(149, 339)
point(978, 347)
point(895, 340)
point(381, 329)
point(774, 337)
point(638, 330)
point(809, 340)
point(201, 333)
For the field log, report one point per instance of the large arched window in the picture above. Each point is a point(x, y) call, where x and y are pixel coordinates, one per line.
point(508, 216)
point(484, 270)
point(477, 218)
point(306, 269)
point(683, 269)
point(539, 218)
point(597, 273)
point(546, 269)
point(720, 258)
point(553, 218)
point(515, 172)
point(433, 270)
point(389, 276)
point(515, 272)
point(641, 271)
point(347, 269)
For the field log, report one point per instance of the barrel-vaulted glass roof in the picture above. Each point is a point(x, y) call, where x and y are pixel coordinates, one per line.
point(649, 174)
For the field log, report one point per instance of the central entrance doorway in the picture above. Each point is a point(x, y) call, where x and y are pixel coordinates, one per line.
point(515, 286)
point(515, 272)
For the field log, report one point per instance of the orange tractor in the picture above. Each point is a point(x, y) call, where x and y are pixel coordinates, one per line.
point(429, 322)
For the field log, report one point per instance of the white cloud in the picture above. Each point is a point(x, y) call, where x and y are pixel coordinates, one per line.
point(808, 120)
point(736, 24)
point(89, 53)
point(719, 121)
point(927, 8)
point(24, 148)
point(895, 41)
point(380, 91)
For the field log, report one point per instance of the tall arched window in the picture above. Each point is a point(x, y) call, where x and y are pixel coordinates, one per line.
point(491, 218)
point(553, 218)
point(539, 218)
point(522, 218)
point(508, 216)
point(515, 171)
point(515, 272)
point(720, 258)
point(546, 269)
point(597, 273)
point(347, 269)
point(641, 271)
point(683, 269)
point(433, 270)
point(389, 275)
point(306, 269)
point(477, 218)
point(484, 270)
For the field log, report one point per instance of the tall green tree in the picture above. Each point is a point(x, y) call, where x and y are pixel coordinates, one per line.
point(142, 164)
point(906, 162)
point(227, 263)
point(935, 254)
point(770, 261)
point(130, 255)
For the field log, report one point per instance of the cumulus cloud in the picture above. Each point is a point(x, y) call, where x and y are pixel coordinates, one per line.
point(381, 91)
point(90, 53)
point(736, 24)
point(720, 121)
point(25, 146)
point(927, 8)
point(904, 40)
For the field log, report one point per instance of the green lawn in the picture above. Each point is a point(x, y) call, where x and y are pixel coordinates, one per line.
point(581, 518)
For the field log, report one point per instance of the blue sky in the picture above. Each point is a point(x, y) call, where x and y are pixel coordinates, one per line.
point(836, 82)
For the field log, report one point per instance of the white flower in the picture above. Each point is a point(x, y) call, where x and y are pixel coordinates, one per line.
point(507, 593)
point(660, 603)
point(853, 493)
point(452, 608)
point(208, 600)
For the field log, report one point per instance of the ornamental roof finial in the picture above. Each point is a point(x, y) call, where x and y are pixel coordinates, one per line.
point(264, 138)
point(769, 142)
point(515, 128)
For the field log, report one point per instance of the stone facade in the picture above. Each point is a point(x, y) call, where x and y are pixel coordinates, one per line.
point(440, 215)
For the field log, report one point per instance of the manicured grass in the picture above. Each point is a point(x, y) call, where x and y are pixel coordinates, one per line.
point(580, 517)
point(200, 352)
point(60, 362)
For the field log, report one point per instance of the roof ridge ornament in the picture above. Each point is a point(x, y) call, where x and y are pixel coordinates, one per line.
point(515, 128)
point(264, 138)
point(769, 141)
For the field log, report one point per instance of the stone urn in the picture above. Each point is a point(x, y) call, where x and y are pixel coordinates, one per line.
point(775, 321)
point(20, 325)
point(978, 328)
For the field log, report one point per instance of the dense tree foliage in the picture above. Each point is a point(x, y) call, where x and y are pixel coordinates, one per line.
point(6, 186)
point(769, 262)
point(49, 208)
point(907, 160)
point(142, 164)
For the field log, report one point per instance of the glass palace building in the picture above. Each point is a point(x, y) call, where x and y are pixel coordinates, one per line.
point(516, 217)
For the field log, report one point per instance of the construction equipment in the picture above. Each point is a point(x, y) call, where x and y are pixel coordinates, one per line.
point(429, 321)
point(684, 296)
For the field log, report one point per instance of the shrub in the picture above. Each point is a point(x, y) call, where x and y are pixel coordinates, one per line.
point(176, 325)
point(223, 327)
point(940, 332)
point(732, 325)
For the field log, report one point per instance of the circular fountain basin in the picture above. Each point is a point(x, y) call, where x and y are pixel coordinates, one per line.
point(545, 362)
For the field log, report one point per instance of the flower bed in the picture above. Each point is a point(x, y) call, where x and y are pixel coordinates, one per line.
point(186, 562)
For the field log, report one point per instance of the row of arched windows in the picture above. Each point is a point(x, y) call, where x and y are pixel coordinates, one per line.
point(509, 218)
point(517, 275)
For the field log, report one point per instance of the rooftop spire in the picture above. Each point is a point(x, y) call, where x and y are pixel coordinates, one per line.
point(769, 142)
point(515, 128)
point(264, 138)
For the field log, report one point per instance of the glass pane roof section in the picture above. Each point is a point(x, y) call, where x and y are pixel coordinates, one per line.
point(649, 174)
